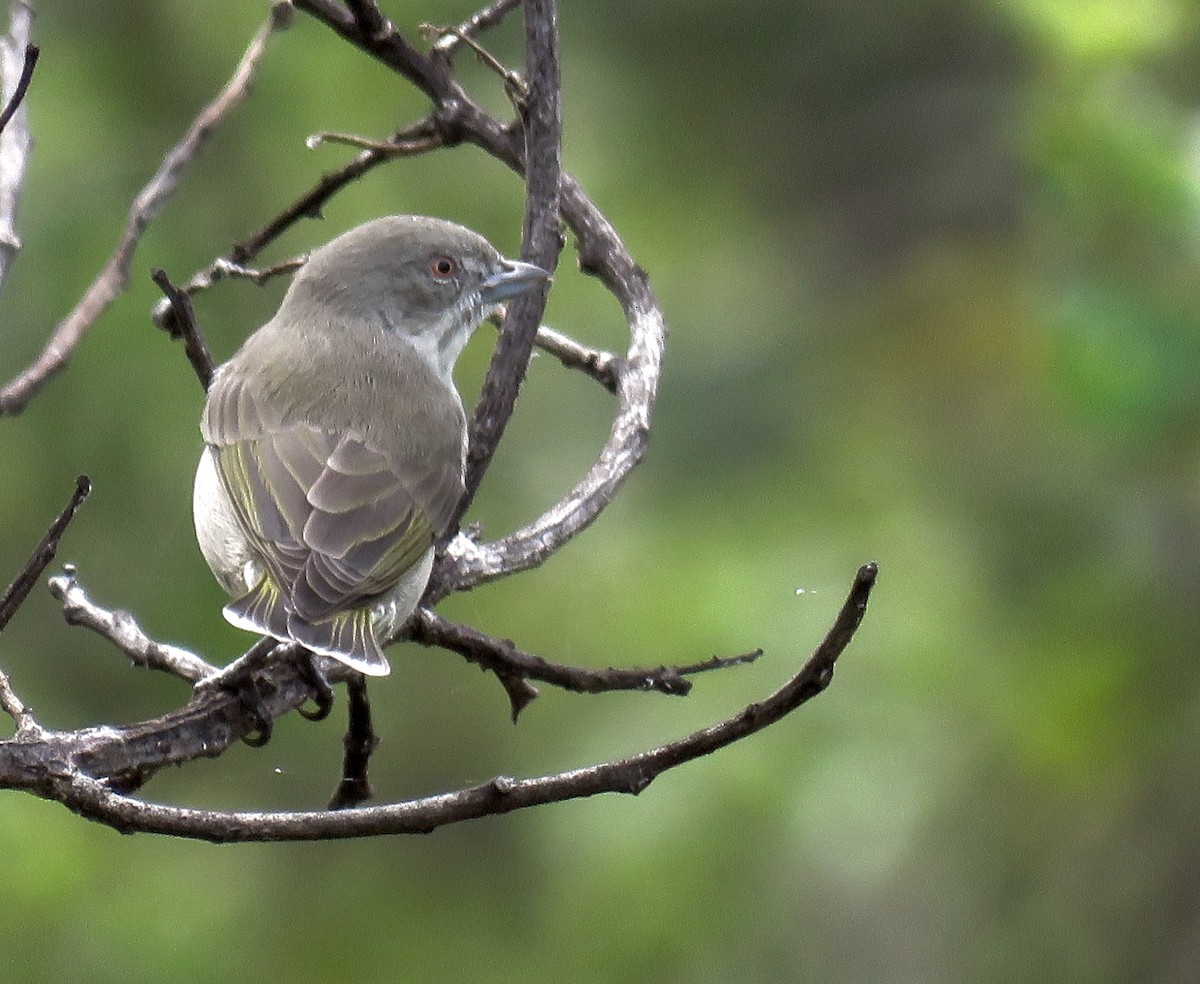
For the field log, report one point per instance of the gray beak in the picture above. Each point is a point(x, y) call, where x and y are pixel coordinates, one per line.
point(513, 278)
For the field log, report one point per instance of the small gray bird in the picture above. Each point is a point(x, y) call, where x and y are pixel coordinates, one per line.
point(335, 438)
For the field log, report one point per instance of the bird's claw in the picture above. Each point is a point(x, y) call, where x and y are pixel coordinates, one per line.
point(322, 692)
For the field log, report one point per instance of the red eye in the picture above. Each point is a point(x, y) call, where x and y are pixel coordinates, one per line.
point(443, 267)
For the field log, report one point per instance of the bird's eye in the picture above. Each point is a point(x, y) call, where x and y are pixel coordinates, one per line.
point(443, 267)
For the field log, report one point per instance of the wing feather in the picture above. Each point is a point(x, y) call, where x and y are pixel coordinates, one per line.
point(336, 520)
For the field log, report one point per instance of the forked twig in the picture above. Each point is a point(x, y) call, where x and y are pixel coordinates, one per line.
point(114, 277)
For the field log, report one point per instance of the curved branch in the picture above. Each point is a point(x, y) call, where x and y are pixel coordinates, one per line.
point(24, 765)
point(466, 564)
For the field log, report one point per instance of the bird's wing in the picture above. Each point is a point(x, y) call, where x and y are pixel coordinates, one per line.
point(335, 519)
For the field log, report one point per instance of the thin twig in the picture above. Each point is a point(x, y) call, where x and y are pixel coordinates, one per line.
point(398, 145)
point(97, 801)
point(599, 365)
point(502, 657)
point(596, 363)
point(121, 629)
point(18, 710)
point(514, 85)
point(309, 205)
point(17, 58)
point(412, 140)
point(179, 321)
point(489, 16)
point(221, 269)
point(22, 87)
point(42, 555)
point(114, 277)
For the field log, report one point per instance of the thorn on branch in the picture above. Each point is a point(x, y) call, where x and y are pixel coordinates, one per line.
point(31, 56)
point(43, 554)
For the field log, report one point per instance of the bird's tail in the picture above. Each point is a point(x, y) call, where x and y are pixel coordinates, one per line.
point(348, 637)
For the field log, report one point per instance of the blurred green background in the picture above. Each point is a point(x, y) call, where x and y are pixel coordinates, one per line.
point(930, 270)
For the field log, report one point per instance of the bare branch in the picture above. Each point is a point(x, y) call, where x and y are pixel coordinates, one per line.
point(309, 204)
point(359, 744)
point(602, 253)
point(514, 85)
point(120, 628)
point(368, 16)
point(466, 563)
point(90, 770)
point(388, 45)
point(599, 365)
point(17, 59)
point(114, 277)
point(18, 710)
point(179, 321)
point(541, 242)
point(42, 555)
point(22, 86)
point(220, 269)
point(489, 16)
point(502, 657)
point(22, 765)
point(418, 139)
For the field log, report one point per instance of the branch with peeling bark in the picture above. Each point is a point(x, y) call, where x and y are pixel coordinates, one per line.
point(94, 771)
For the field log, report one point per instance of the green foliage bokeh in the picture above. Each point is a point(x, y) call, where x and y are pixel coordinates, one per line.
point(930, 272)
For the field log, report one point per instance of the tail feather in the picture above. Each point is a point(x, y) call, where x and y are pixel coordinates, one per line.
point(261, 609)
point(348, 637)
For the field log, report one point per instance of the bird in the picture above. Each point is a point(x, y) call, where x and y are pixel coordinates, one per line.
point(335, 438)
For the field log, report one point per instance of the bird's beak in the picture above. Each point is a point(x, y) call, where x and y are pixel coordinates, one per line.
point(513, 278)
